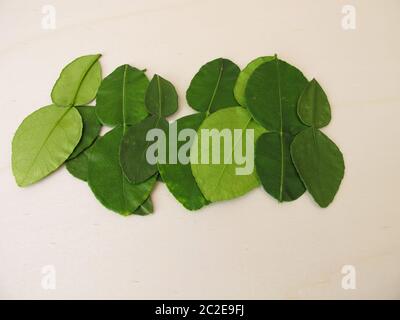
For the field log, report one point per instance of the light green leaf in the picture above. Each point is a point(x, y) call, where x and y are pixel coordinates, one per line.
point(78, 82)
point(319, 163)
point(134, 148)
point(107, 181)
point(313, 106)
point(120, 99)
point(241, 82)
point(272, 93)
point(178, 177)
point(161, 97)
point(211, 88)
point(90, 131)
point(275, 167)
point(221, 181)
point(43, 141)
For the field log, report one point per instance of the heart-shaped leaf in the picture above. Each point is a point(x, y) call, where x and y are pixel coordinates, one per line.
point(211, 88)
point(107, 180)
point(272, 93)
point(221, 181)
point(178, 176)
point(313, 106)
point(120, 100)
point(78, 82)
point(320, 164)
point(161, 97)
point(43, 141)
point(134, 146)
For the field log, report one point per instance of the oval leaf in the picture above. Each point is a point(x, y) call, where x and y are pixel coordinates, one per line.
point(178, 176)
point(134, 148)
point(275, 168)
point(120, 99)
point(107, 181)
point(78, 82)
point(320, 164)
point(211, 88)
point(313, 106)
point(222, 181)
point(244, 75)
point(43, 141)
point(272, 93)
point(161, 97)
point(90, 131)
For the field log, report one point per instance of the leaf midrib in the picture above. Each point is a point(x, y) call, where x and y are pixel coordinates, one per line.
point(280, 131)
point(221, 69)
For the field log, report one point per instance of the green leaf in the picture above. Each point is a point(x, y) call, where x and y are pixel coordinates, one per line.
point(43, 141)
point(78, 82)
point(145, 208)
point(241, 82)
point(79, 166)
point(211, 88)
point(134, 147)
point(90, 131)
point(120, 99)
point(178, 177)
point(313, 106)
point(272, 93)
point(161, 97)
point(107, 181)
point(275, 167)
point(320, 164)
point(221, 181)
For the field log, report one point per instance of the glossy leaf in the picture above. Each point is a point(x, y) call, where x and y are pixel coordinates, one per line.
point(145, 208)
point(275, 167)
point(272, 93)
point(221, 181)
point(78, 82)
point(79, 166)
point(313, 106)
point(121, 95)
point(90, 131)
point(320, 164)
point(107, 181)
point(161, 97)
point(244, 75)
point(43, 141)
point(211, 88)
point(178, 177)
point(134, 147)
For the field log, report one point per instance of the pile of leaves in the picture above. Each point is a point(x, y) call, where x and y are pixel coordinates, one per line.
point(270, 96)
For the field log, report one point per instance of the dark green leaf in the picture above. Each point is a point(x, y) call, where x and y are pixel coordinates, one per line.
point(90, 130)
point(313, 106)
point(78, 82)
point(211, 88)
point(161, 97)
point(120, 99)
point(178, 177)
point(145, 208)
point(275, 167)
point(107, 181)
point(134, 147)
point(241, 82)
point(320, 164)
point(272, 93)
point(79, 165)
point(43, 141)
